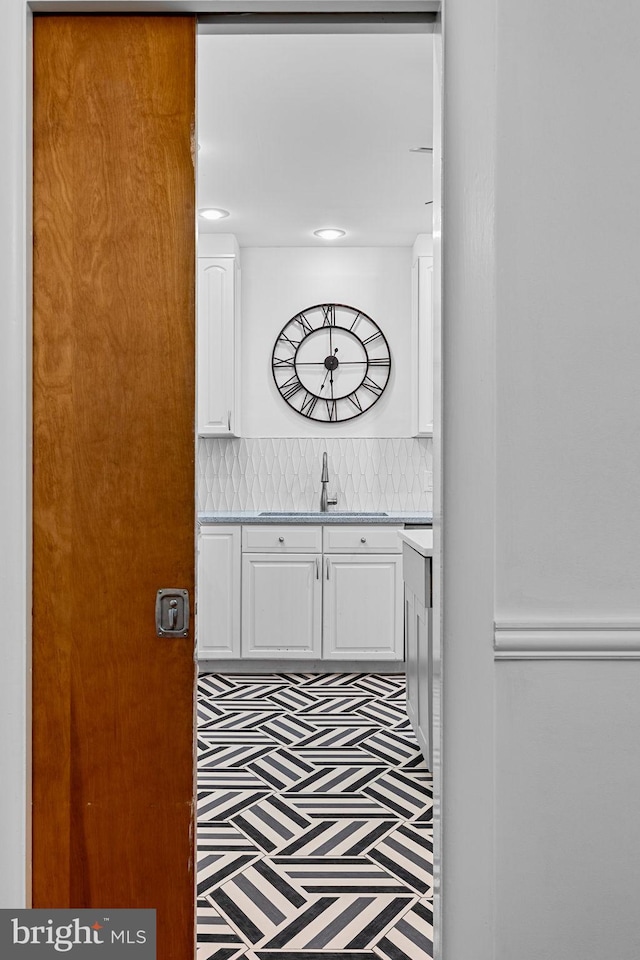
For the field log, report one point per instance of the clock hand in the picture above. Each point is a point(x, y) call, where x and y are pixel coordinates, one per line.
point(329, 371)
point(332, 398)
point(317, 362)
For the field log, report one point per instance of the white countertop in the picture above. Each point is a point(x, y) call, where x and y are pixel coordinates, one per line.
point(420, 540)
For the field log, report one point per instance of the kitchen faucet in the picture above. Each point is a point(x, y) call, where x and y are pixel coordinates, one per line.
point(325, 499)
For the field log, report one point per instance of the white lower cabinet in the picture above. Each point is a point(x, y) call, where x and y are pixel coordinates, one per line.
point(218, 610)
point(300, 592)
point(281, 605)
point(418, 628)
point(418, 633)
point(363, 617)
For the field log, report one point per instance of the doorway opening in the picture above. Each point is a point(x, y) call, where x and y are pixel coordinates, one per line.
point(328, 554)
point(315, 385)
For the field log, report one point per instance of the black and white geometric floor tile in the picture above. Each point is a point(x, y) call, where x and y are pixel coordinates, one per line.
point(314, 820)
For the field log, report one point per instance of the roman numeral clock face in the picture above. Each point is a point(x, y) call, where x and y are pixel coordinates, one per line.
point(331, 362)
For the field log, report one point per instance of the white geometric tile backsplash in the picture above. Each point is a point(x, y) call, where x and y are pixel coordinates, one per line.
point(284, 473)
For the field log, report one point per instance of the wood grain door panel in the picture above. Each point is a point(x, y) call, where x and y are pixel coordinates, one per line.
point(113, 484)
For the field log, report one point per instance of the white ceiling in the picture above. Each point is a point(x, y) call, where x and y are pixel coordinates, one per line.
point(302, 132)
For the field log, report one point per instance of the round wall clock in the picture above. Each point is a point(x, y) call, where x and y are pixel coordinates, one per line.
point(331, 362)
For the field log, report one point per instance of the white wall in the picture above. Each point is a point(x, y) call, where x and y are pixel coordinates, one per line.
point(568, 359)
point(278, 282)
point(541, 352)
point(567, 788)
point(568, 463)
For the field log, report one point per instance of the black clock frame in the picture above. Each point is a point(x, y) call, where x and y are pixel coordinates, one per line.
point(294, 383)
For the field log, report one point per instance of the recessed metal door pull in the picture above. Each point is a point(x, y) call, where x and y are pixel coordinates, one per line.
point(172, 612)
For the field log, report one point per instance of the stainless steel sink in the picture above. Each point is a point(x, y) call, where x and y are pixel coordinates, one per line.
point(320, 514)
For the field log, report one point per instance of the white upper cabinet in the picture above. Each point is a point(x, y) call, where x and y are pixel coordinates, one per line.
point(422, 334)
point(218, 336)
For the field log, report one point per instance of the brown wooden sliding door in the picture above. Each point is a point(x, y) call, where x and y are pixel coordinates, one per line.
point(113, 410)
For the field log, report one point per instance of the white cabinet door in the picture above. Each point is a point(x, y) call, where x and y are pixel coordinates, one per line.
point(425, 685)
point(422, 334)
point(218, 611)
point(217, 352)
point(363, 615)
point(425, 346)
point(419, 685)
point(411, 656)
point(281, 605)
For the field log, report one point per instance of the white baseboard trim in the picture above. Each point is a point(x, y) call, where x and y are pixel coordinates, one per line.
point(567, 640)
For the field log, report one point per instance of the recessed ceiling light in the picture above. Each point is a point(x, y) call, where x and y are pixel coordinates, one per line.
point(420, 149)
point(213, 213)
point(329, 233)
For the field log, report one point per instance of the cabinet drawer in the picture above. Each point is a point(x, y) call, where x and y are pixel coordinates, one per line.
point(362, 539)
point(281, 539)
